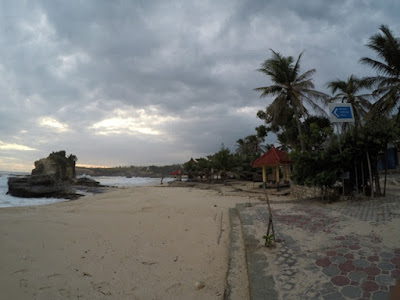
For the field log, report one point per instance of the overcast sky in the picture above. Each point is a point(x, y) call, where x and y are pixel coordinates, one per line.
point(141, 82)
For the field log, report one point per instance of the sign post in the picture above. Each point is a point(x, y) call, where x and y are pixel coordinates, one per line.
point(341, 113)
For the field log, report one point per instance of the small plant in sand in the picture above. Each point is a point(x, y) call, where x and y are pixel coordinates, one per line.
point(269, 240)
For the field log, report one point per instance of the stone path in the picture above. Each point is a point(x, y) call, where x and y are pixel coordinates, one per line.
point(331, 251)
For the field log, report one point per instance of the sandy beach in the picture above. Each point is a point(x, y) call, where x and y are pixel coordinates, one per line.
point(129, 243)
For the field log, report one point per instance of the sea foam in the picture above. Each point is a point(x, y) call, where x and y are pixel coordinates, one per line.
point(117, 181)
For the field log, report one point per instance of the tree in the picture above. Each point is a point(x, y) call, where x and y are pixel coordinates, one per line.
point(317, 130)
point(251, 145)
point(319, 167)
point(204, 168)
point(223, 161)
point(387, 82)
point(348, 92)
point(190, 168)
point(290, 88)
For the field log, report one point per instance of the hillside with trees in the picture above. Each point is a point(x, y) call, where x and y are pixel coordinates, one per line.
point(130, 171)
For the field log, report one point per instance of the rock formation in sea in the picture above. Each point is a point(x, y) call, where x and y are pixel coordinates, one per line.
point(53, 176)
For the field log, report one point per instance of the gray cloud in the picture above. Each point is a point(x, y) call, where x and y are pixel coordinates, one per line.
point(142, 82)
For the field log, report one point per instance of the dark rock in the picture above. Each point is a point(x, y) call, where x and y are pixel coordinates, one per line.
point(22, 187)
point(85, 181)
point(52, 177)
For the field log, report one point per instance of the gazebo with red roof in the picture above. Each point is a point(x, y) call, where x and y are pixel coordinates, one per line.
point(274, 158)
point(177, 174)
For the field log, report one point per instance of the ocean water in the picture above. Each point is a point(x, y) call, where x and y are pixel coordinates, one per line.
point(9, 201)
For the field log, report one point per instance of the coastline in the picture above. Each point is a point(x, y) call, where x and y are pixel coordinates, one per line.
point(151, 242)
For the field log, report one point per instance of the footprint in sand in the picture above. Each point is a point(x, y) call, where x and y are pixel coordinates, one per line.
point(23, 283)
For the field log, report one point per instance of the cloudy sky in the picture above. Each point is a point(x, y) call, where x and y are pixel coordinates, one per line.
point(140, 82)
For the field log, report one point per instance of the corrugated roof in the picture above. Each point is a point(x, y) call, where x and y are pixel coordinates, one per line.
point(272, 157)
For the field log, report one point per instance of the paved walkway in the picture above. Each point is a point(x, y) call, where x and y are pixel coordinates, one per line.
point(347, 250)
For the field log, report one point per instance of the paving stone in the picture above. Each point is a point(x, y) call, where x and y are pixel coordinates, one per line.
point(331, 253)
point(372, 271)
point(327, 285)
point(354, 247)
point(395, 273)
point(349, 256)
point(373, 258)
point(370, 286)
point(384, 280)
point(383, 288)
point(311, 268)
point(366, 295)
point(328, 290)
point(331, 271)
point(352, 292)
point(357, 276)
point(315, 256)
point(333, 296)
point(340, 280)
point(337, 259)
point(246, 219)
point(387, 255)
point(342, 250)
point(396, 261)
point(288, 286)
point(386, 266)
point(364, 252)
point(324, 262)
point(312, 294)
point(380, 295)
point(361, 263)
point(260, 282)
point(371, 277)
point(347, 266)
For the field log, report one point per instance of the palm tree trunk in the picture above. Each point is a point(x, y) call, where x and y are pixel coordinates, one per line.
point(299, 130)
point(386, 168)
point(370, 176)
point(377, 183)
point(362, 176)
point(355, 168)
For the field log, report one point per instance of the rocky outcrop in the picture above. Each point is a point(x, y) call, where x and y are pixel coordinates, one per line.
point(84, 181)
point(39, 186)
point(53, 176)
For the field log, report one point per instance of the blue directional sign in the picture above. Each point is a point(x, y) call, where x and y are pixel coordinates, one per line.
point(341, 112)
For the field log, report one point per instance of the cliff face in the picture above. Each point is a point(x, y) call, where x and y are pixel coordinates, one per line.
point(57, 166)
point(52, 177)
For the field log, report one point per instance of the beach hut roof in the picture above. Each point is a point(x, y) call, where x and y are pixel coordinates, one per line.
point(176, 172)
point(272, 157)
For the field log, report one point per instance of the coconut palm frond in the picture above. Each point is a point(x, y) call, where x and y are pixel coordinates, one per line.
point(379, 66)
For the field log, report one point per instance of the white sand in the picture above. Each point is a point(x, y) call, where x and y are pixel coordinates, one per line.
point(132, 243)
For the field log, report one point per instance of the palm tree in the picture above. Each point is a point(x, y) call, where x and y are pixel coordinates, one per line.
point(348, 92)
point(251, 145)
point(290, 88)
point(387, 82)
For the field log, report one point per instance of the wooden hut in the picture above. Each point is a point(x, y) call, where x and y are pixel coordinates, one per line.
point(274, 159)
